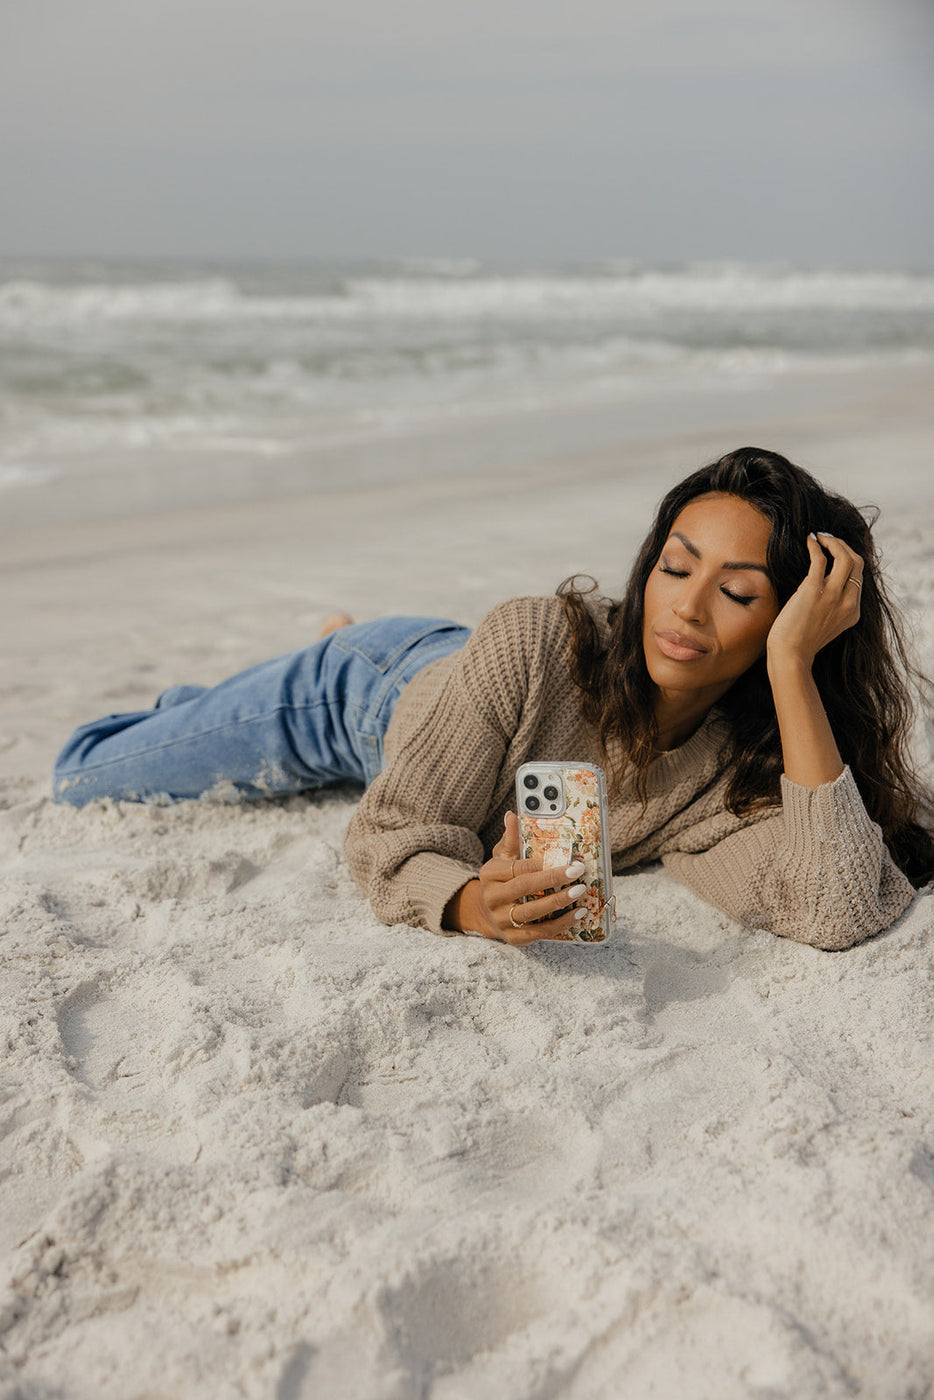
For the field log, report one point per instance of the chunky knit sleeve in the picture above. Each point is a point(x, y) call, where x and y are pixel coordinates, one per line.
point(818, 871)
point(413, 841)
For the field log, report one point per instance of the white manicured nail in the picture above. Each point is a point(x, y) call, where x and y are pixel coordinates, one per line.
point(580, 915)
point(826, 535)
point(574, 870)
point(576, 891)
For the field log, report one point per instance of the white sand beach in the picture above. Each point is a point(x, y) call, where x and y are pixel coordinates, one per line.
point(255, 1144)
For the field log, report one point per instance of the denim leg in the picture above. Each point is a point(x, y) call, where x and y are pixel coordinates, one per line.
point(177, 693)
point(384, 655)
point(308, 719)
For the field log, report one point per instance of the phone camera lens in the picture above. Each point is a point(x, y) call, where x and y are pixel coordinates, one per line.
point(532, 803)
point(550, 792)
point(530, 780)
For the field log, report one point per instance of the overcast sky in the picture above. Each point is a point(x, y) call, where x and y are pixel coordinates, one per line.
point(518, 129)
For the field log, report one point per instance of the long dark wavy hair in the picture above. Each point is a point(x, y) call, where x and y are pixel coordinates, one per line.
point(864, 676)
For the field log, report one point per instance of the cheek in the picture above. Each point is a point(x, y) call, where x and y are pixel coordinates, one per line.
point(750, 638)
point(651, 597)
point(649, 606)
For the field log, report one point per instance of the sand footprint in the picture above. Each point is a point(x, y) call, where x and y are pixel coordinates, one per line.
point(119, 1045)
point(180, 878)
point(428, 1320)
point(109, 1043)
point(681, 977)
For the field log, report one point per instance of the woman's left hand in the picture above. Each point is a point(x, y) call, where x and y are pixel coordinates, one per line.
point(825, 603)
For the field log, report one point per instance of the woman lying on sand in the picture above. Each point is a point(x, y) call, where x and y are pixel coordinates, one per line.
point(748, 698)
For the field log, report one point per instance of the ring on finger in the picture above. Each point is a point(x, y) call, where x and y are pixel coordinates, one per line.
point(512, 920)
point(513, 875)
point(851, 579)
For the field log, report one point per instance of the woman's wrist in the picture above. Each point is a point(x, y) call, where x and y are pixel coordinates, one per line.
point(463, 912)
point(787, 663)
point(809, 750)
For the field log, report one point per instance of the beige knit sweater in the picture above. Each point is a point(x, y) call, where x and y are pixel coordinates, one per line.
point(815, 869)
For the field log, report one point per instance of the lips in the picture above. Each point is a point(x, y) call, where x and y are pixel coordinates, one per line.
point(678, 647)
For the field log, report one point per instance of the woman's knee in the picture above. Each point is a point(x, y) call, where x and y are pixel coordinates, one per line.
point(78, 775)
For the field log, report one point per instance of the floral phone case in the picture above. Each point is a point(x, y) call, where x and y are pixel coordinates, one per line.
point(572, 826)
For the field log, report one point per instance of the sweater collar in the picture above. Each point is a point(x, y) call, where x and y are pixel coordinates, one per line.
point(702, 749)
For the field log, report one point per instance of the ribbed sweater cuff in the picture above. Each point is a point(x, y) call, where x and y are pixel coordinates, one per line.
point(828, 813)
point(431, 881)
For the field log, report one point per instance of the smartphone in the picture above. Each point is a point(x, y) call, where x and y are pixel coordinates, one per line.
point(564, 817)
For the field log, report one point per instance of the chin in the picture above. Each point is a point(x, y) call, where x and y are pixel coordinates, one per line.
point(673, 677)
point(676, 682)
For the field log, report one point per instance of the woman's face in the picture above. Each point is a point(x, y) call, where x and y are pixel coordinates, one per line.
point(709, 603)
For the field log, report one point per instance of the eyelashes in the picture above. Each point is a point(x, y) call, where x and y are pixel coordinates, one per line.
point(743, 599)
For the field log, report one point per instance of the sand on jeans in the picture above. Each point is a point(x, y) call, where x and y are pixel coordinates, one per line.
point(255, 1144)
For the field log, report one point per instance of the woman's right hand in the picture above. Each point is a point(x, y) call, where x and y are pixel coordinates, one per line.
point(491, 904)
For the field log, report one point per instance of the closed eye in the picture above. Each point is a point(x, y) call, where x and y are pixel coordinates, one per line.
point(742, 598)
point(745, 599)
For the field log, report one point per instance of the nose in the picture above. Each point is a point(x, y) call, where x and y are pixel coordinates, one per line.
point(690, 605)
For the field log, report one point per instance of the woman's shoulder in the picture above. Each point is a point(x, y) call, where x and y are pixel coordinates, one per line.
point(525, 605)
point(523, 616)
point(546, 612)
point(529, 629)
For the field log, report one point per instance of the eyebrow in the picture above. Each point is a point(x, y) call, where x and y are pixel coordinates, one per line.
point(692, 549)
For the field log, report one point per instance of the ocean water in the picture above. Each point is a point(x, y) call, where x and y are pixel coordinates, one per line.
point(175, 358)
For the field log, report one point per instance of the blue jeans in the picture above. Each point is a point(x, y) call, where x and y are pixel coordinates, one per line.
point(312, 718)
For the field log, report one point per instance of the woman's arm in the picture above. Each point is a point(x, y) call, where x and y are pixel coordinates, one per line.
point(825, 604)
point(413, 844)
point(818, 871)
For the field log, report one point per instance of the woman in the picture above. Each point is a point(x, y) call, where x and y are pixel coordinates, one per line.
point(747, 696)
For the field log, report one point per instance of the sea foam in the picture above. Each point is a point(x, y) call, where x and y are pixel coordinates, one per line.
point(132, 357)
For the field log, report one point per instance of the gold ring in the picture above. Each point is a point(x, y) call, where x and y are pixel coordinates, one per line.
point(511, 919)
point(851, 579)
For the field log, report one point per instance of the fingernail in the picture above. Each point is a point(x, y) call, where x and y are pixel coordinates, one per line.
point(811, 535)
point(576, 890)
point(580, 915)
point(576, 869)
point(826, 535)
